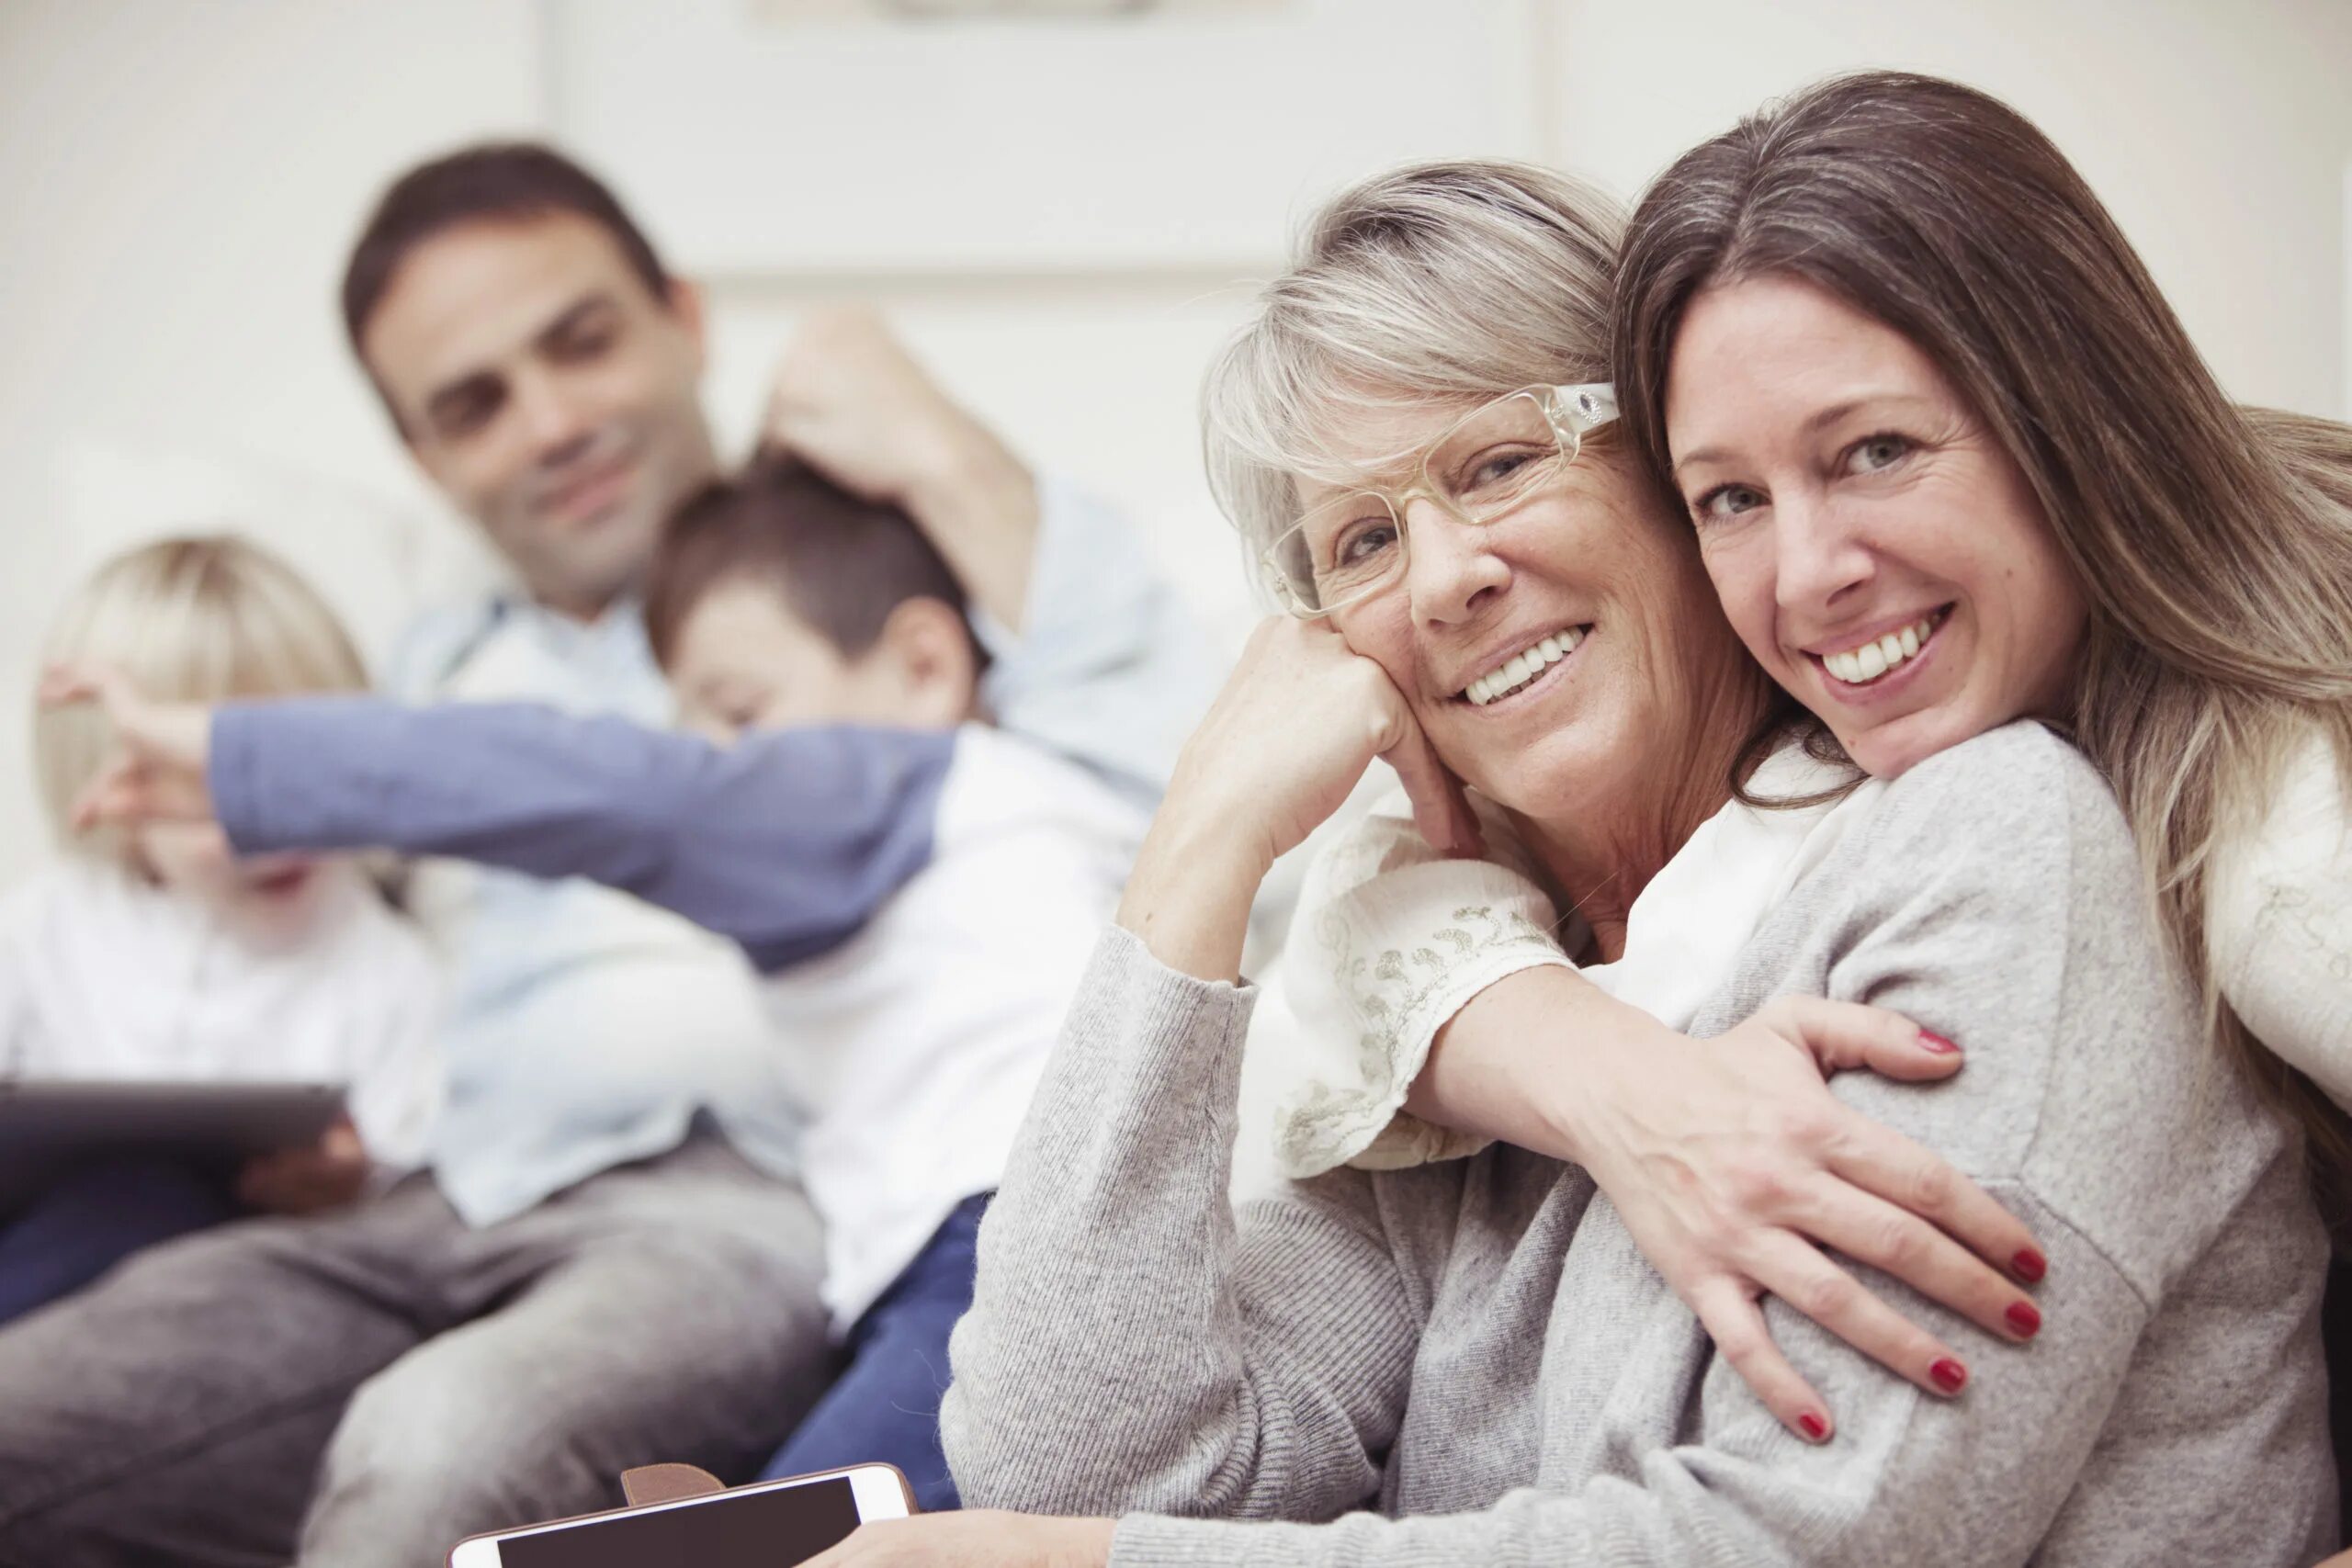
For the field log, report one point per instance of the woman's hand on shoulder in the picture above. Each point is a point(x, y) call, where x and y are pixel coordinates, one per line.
point(1733, 1168)
point(975, 1539)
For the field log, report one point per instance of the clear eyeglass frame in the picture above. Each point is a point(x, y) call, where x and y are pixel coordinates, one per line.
point(1569, 413)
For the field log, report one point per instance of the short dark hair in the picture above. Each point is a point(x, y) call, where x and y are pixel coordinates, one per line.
point(512, 180)
point(840, 562)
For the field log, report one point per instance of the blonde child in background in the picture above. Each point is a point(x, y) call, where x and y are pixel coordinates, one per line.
point(156, 955)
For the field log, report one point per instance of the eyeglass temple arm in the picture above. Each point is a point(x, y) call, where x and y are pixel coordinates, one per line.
point(1587, 405)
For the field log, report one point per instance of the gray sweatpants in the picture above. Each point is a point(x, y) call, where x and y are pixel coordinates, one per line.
point(366, 1388)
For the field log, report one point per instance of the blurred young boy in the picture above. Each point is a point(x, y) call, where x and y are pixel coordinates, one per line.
point(921, 890)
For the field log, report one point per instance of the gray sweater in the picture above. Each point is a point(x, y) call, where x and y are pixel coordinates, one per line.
point(1471, 1363)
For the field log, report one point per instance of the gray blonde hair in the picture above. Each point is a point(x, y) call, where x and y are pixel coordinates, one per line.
point(186, 620)
point(2213, 543)
point(1433, 284)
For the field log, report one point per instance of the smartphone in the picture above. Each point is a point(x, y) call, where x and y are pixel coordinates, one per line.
point(765, 1526)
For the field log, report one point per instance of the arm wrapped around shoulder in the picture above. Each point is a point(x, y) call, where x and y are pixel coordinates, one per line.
point(1995, 895)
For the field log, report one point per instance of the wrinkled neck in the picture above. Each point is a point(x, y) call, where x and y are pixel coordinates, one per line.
point(1603, 854)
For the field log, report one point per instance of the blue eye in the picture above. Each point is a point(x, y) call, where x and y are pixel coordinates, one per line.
point(1875, 454)
point(1364, 542)
point(1725, 502)
point(1494, 468)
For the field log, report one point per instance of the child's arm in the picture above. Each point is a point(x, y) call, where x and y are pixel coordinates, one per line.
point(786, 842)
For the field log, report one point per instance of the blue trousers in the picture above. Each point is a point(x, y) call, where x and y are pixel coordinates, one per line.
point(884, 1408)
point(94, 1219)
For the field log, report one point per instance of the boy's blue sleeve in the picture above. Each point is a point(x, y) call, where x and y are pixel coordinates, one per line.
point(786, 842)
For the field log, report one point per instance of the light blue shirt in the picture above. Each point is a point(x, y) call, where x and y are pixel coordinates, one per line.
point(586, 1031)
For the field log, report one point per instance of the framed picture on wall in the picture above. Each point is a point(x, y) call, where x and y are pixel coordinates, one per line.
point(1021, 136)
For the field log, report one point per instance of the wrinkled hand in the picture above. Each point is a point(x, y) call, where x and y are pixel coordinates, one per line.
point(984, 1538)
point(157, 773)
point(327, 1175)
point(1299, 720)
point(1733, 1166)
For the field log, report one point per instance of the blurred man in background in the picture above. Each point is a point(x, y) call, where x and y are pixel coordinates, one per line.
point(589, 1278)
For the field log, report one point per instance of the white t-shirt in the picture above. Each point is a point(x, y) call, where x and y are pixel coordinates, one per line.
point(103, 976)
point(916, 1044)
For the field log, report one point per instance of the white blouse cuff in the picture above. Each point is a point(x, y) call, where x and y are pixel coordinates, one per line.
point(1362, 1121)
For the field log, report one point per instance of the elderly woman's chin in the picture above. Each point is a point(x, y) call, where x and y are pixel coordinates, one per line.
point(1655, 688)
point(1537, 750)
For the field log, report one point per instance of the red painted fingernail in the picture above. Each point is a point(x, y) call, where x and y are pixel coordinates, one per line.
point(1814, 1427)
point(1930, 1041)
point(2023, 1318)
point(2029, 1266)
point(1949, 1375)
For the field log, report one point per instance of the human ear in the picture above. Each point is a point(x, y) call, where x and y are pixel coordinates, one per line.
point(930, 644)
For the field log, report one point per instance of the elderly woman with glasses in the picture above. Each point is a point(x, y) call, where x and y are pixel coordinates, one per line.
point(1471, 1359)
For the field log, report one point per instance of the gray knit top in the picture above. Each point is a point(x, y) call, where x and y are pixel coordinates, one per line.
point(1471, 1363)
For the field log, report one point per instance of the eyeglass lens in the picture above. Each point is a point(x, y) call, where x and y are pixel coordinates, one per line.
point(1478, 469)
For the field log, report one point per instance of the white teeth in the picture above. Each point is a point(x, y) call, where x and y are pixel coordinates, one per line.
point(1521, 667)
point(1860, 666)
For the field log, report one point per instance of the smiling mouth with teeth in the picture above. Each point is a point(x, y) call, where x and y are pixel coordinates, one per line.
point(1874, 661)
point(1522, 667)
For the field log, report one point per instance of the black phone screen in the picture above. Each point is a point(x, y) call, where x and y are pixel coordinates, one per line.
point(747, 1529)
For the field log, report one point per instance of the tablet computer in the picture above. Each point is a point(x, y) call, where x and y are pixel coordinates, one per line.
point(49, 1126)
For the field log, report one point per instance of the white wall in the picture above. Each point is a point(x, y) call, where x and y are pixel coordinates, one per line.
point(2218, 132)
point(178, 182)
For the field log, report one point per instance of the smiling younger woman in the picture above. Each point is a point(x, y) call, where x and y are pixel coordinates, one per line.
point(1907, 377)
point(1874, 546)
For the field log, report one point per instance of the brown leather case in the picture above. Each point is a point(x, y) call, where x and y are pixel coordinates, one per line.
point(648, 1485)
point(651, 1483)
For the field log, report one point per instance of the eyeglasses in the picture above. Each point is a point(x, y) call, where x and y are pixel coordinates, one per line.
point(1492, 459)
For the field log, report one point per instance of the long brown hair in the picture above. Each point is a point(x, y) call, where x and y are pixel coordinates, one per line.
point(2213, 543)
